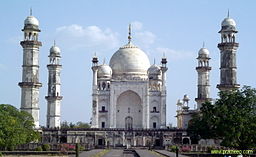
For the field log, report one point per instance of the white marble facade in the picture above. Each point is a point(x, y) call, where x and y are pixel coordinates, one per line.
point(129, 93)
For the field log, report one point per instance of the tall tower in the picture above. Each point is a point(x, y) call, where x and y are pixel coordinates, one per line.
point(30, 69)
point(203, 84)
point(228, 47)
point(54, 98)
point(94, 120)
point(164, 68)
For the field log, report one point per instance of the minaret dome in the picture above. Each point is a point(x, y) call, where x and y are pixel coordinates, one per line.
point(31, 20)
point(154, 70)
point(203, 52)
point(104, 71)
point(228, 22)
point(55, 51)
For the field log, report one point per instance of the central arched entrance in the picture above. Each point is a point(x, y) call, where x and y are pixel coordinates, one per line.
point(129, 110)
point(128, 122)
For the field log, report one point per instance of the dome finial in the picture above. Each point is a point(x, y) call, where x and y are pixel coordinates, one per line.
point(95, 55)
point(154, 61)
point(54, 43)
point(228, 13)
point(163, 55)
point(129, 36)
point(30, 12)
point(203, 44)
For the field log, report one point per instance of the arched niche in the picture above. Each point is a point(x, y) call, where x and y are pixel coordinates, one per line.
point(129, 104)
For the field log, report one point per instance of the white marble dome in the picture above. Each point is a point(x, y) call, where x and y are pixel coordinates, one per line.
point(104, 71)
point(179, 102)
point(228, 22)
point(129, 59)
point(31, 20)
point(55, 50)
point(154, 69)
point(203, 52)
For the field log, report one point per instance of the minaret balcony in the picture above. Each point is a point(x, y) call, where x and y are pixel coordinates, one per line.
point(30, 84)
point(203, 68)
point(54, 66)
point(227, 87)
point(228, 45)
point(27, 43)
point(53, 97)
point(203, 99)
point(103, 111)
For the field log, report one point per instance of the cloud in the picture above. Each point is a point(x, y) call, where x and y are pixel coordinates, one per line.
point(145, 37)
point(142, 37)
point(136, 25)
point(76, 36)
point(174, 54)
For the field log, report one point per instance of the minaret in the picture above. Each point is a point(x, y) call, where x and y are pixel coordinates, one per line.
point(228, 47)
point(163, 93)
point(30, 69)
point(94, 122)
point(184, 115)
point(54, 98)
point(164, 69)
point(203, 85)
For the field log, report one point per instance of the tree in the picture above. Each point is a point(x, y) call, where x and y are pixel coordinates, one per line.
point(231, 119)
point(79, 124)
point(82, 125)
point(16, 127)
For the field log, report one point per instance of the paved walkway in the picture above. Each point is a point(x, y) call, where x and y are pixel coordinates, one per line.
point(167, 153)
point(114, 153)
point(146, 153)
point(88, 153)
point(119, 153)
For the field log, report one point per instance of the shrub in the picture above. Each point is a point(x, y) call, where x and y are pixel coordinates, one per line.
point(10, 148)
point(209, 148)
point(172, 148)
point(46, 147)
point(39, 148)
point(81, 148)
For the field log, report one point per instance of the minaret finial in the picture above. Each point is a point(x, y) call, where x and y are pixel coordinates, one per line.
point(129, 36)
point(30, 13)
point(163, 54)
point(228, 13)
point(54, 43)
point(203, 44)
point(95, 55)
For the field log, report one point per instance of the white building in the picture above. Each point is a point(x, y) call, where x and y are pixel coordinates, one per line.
point(129, 93)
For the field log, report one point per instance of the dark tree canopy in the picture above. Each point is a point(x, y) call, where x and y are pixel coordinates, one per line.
point(232, 119)
point(66, 124)
point(16, 127)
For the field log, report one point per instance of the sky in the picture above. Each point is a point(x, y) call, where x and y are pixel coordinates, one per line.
point(83, 27)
